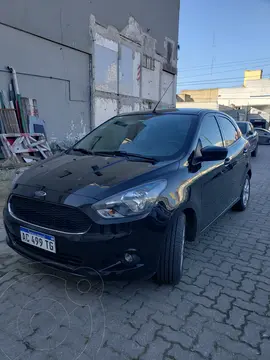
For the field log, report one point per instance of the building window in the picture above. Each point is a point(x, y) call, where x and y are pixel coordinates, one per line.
point(148, 62)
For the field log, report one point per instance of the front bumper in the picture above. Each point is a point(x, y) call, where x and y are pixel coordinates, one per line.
point(100, 250)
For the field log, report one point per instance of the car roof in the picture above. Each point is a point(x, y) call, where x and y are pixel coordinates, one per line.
point(185, 111)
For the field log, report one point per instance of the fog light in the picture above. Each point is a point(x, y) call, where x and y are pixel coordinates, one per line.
point(128, 258)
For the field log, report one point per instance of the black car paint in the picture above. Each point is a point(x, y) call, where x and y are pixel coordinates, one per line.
point(203, 191)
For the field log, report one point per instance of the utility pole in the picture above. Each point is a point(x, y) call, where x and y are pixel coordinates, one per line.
point(246, 113)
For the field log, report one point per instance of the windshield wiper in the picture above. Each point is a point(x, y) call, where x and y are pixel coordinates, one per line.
point(126, 154)
point(83, 151)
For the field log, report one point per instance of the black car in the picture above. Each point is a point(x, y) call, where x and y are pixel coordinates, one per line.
point(126, 197)
point(251, 135)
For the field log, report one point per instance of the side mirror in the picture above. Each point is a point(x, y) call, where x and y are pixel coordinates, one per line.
point(249, 133)
point(213, 153)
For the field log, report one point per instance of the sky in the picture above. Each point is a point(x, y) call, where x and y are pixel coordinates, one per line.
point(219, 39)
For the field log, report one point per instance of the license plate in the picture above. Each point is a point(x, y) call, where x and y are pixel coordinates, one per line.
point(37, 239)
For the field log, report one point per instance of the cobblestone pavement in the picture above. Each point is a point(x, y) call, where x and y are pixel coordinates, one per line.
point(219, 311)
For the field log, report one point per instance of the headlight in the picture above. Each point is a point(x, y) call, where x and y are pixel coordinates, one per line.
point(135, 201)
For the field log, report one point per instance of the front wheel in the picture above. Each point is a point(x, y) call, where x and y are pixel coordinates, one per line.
point(170, 266)
point(242, 204)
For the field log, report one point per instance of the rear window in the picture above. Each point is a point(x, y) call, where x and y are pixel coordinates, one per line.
point(161, 136)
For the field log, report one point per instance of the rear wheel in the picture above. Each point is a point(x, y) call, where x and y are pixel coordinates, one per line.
point(242, 204)
point(171, 261)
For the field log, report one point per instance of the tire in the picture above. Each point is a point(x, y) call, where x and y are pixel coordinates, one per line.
point(255, 152)
point(170, 266)
point(242, 204)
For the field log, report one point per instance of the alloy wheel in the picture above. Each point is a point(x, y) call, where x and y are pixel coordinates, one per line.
point(246, 192)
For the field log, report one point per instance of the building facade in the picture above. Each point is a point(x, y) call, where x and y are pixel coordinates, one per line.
point(248, 102)
point(86, 61)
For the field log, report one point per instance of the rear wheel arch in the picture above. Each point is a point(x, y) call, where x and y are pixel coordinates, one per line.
point(191, 224)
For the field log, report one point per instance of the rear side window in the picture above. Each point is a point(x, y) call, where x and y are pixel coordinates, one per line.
point(251, 128)
point(229, 131)
point(210, 133)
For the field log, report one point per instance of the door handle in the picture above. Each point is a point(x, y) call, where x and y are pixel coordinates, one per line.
point(227, 161)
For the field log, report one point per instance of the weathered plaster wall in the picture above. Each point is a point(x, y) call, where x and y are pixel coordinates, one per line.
point(58, 41)
point(128, 72)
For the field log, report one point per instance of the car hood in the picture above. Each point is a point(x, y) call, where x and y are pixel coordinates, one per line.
point(89, 176)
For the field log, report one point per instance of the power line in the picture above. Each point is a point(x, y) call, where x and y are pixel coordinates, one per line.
point(233, 79)
point(220, 72)
point(227, 64)
point(224, 64)
point(219, 99)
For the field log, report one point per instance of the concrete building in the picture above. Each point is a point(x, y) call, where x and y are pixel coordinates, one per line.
point(199, 95)
point(85, 61)
point(250, 101)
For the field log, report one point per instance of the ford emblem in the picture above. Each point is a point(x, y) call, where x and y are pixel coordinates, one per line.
point(40, 193)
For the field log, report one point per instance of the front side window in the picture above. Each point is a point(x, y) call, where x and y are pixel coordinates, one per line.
point(229, 131)
point(210, 133)
point(160, 136)
point(243, 127)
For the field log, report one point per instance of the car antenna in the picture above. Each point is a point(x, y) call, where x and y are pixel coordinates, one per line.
point(154, 110)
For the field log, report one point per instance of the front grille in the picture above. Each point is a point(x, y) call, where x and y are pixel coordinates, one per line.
point(49, 215)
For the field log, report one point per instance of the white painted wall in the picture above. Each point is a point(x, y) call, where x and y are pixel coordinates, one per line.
point(126, 108)
point(106, 62)
point(104, 109)
point(256, 92)
point(136, 73)
point(166, 79)
point(126, 71)
point(151, 82)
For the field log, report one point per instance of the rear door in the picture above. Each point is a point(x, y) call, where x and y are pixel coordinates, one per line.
point(235, 163)
point(252, 137)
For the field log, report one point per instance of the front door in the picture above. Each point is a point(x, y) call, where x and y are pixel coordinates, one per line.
point(214, 190)
point(235, 163)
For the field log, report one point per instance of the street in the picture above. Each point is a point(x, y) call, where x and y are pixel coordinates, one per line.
point(220, 310)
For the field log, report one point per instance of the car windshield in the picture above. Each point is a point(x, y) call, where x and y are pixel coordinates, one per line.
point(159, 136)
point(243, 127)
